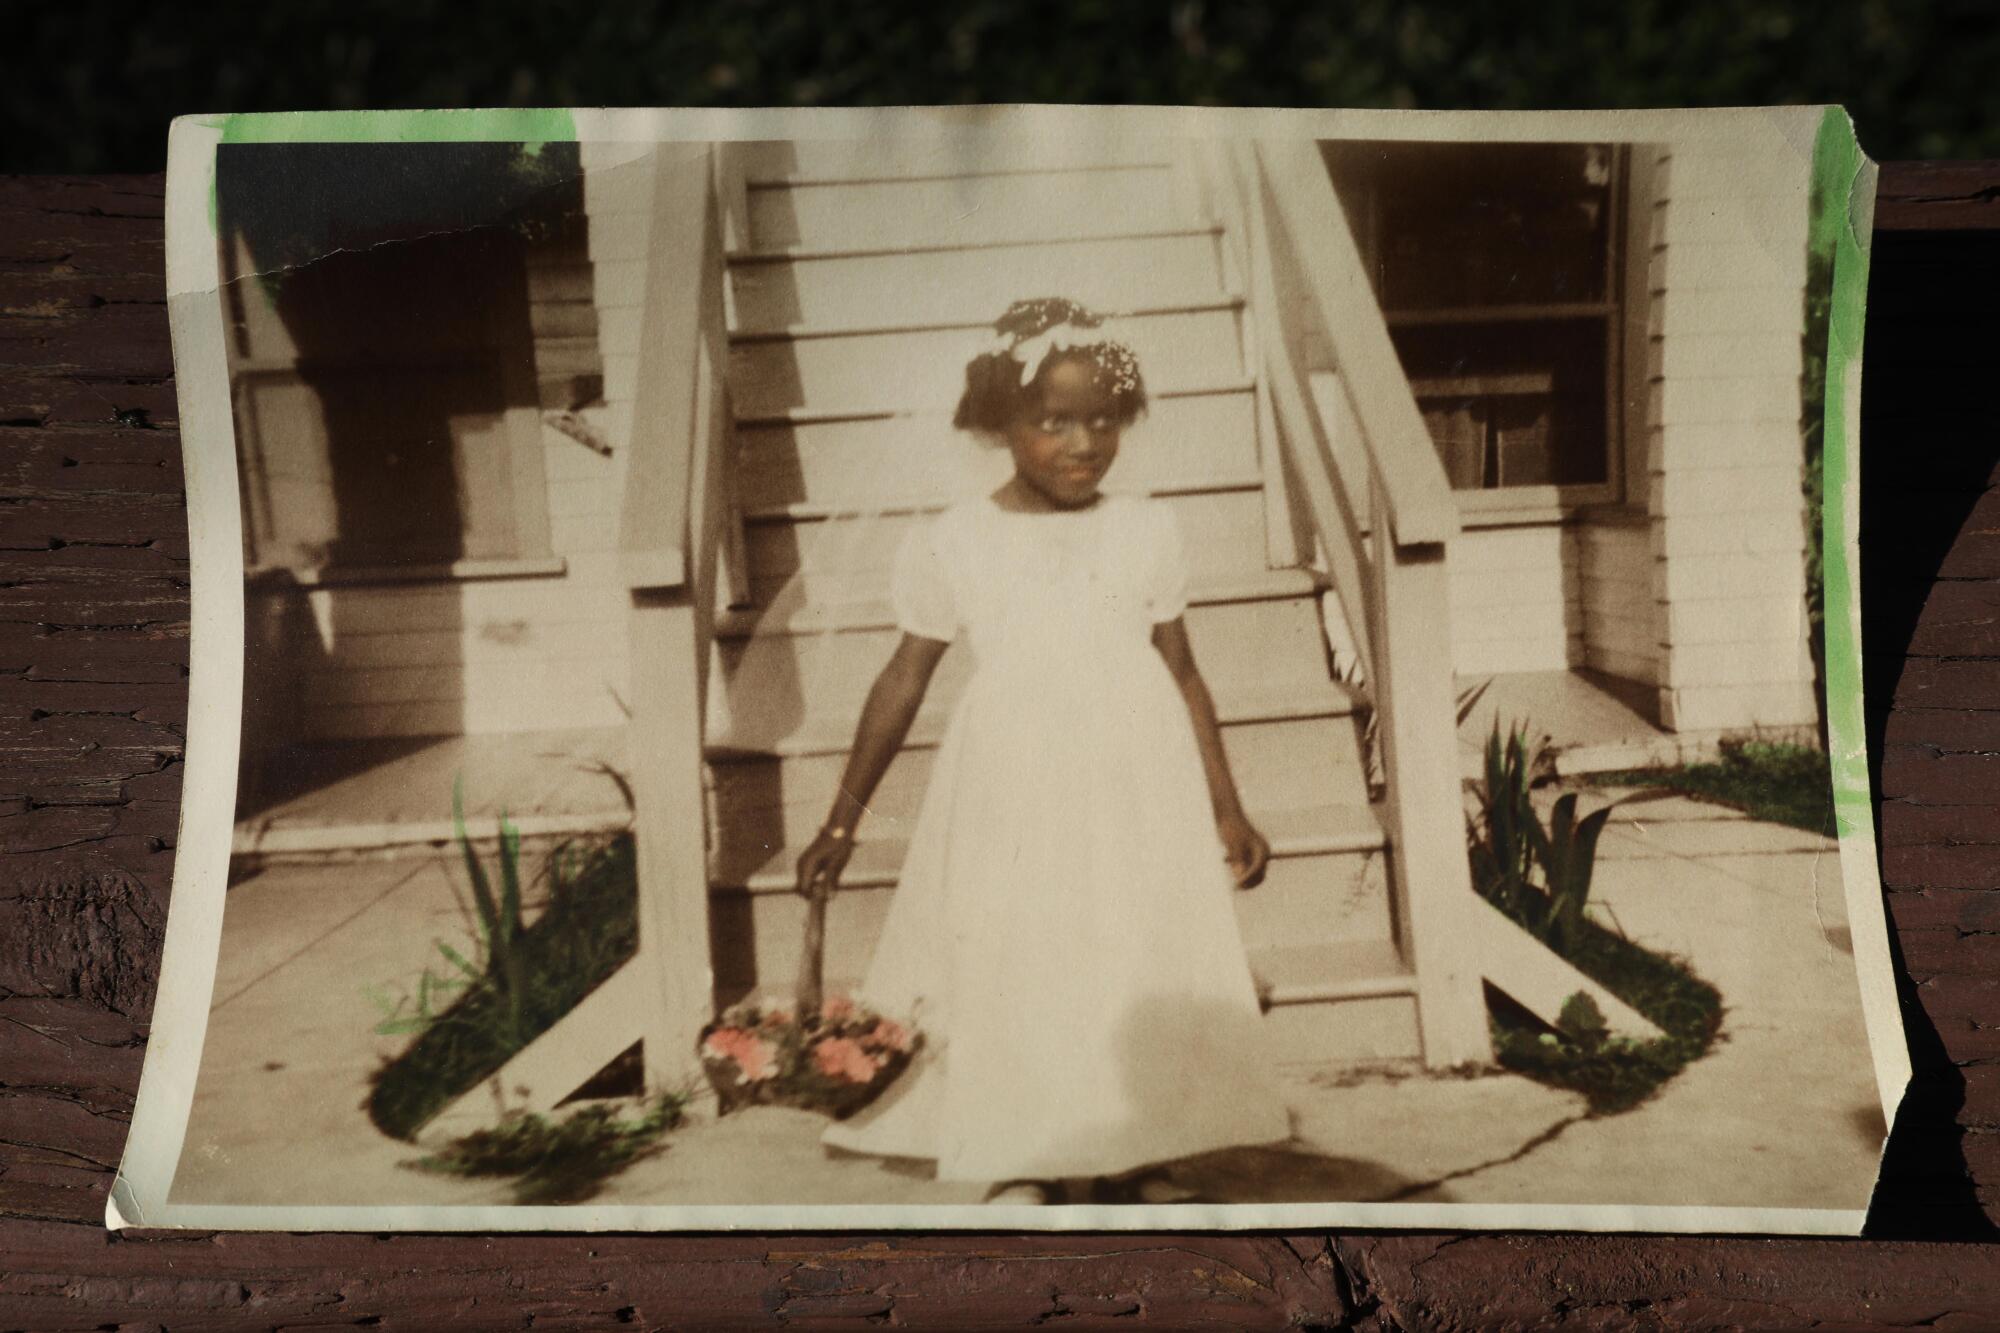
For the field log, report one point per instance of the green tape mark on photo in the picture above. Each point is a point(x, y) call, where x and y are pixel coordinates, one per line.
point(1836, 160)
point(531, 127)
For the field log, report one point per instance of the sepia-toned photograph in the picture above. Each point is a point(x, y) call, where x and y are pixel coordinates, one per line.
point(974, 674)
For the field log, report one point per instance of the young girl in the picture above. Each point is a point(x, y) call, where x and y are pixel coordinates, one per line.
point(1062, 931)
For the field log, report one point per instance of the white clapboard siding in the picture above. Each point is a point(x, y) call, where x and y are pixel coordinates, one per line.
point(1744, 661)
point(931, 285)
point(1012, 207)
point(1767, 220)
point(1515, 600)
point(1757, 489)
point(1183, 441)
point(1726, 355)
point(926, 368)
point(1775, 705)
point(1748, 310)
point(1778, 532)
point(1698, 445)
point(1621, 619)
point(1751, 610)
point(1690, 266)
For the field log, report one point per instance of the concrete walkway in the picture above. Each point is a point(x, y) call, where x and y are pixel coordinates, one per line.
point(1781, 1113)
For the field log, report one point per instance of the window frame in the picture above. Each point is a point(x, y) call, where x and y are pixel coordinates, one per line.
point(1626, 286)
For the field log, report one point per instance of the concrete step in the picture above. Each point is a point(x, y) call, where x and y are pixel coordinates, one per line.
point(1291, 749)
point(1183, 441)
point(1325, 884)
point(787, 211)
point(841, 285)
point(845, 562)
point(873, 367)
point(780, 677)
point(1339, 1002)
point(926, 155)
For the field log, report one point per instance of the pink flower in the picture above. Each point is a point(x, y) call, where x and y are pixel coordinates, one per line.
point(842, 1057)
point(836, 1008)
point(777, 1018)
point(888, 1034)
point(754, 1058)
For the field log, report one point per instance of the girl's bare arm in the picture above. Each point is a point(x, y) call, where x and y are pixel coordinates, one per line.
point(1248, 852)
point(885, 720)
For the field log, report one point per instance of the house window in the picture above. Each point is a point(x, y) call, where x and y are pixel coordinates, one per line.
point(1497, 267)
point(383, 355)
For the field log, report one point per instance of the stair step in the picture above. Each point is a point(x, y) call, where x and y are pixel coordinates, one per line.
point(877, 366)
point(1321, 972)
point(1339, 1002)
point(1239, 644)
point(828, 413)
point(928, 155)
point(876, 862)
point(1182, 442)
point(786, 211)
point(765, 797)
point(844, 563)
point(846, 288)
point(779, 256)
point(1324, 883)
point(834, 735)
point(793, 616)
point(814, 510)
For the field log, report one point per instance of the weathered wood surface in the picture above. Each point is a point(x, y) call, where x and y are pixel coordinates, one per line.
point(93, 617)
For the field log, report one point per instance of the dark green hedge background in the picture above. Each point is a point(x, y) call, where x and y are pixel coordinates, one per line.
point(90, 86)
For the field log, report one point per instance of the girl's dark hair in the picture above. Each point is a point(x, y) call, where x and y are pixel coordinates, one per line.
point(995, 395)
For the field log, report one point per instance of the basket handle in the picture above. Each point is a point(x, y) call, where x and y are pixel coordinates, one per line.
point(812, 956)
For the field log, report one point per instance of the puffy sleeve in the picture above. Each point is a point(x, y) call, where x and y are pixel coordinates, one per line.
point(920, 585)
point(1166, 585)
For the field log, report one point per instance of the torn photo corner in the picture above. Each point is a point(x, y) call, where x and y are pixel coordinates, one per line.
point(1020, 668)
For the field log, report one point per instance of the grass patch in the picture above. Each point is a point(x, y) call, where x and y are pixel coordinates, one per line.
point(591, 926)
point(558, 1161)
point(1539, 876)
point(1780, 784)
point(1614, 1073)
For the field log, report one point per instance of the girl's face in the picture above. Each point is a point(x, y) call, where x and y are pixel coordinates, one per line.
point(1064, 449)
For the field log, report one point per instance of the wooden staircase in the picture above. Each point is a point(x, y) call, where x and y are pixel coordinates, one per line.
point(851, 297)
point(808, 312)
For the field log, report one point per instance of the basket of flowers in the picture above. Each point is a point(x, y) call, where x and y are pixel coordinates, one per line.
point(821, 1053)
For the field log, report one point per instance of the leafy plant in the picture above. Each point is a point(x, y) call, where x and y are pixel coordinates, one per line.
point(588, 930)
point(1540, 878)
point(558, 1161)
point(499, 919)
point(1508, 845)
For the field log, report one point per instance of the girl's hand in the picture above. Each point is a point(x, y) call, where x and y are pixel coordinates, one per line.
point(821, 862)
point(1247, 852)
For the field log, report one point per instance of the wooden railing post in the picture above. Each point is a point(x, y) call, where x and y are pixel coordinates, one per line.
point(1415, 704)
point(670, 831)
point(674, 509)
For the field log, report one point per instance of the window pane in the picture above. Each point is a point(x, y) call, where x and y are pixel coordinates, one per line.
point(1514, 404)
point(1467, 225)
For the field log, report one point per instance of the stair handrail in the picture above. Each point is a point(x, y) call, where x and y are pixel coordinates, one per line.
point(1384, 537)
point(678, 536)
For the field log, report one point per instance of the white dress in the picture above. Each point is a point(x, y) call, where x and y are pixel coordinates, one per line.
point(1063, 932)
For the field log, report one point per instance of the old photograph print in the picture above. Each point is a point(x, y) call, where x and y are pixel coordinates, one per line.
point(1087, 677)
